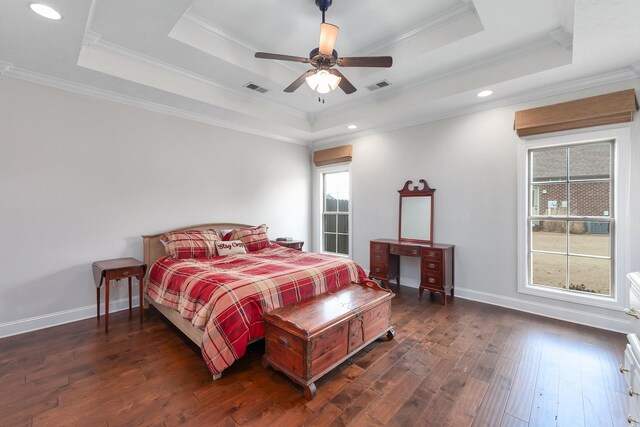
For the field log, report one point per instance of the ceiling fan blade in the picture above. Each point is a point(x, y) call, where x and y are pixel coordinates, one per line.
point(328, 36)
point(265, 55)
point(365, 61)
point(344, 84)
point(299, 81)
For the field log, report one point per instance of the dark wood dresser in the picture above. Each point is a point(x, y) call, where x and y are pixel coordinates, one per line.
point(436, 264)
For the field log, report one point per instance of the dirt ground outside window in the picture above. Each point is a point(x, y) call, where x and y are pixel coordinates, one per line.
point(585, 274)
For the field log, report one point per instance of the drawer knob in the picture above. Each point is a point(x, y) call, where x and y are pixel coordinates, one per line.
point(432, 254)
point(623, 369)
point(125, 273)
point(432, 265)
point(632, 312)
point(377, 270)
point(432, 280)
point(283, 341)
point(632, 392)
point(632, 420)
point(414, 252)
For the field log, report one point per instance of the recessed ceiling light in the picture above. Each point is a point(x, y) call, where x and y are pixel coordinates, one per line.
point(352, 127)
point(484, 93)
point(45, 11)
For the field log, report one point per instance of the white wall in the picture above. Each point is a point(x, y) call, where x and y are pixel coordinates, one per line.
point(81, 179)
point(471, 162)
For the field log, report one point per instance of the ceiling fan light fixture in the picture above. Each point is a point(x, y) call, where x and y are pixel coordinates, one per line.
point(323, 78)
point(328, 37)
point(322, 81)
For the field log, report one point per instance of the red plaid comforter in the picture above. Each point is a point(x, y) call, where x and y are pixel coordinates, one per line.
point(226, 296)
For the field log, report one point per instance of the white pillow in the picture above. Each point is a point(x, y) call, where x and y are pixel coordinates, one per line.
point(229, 248)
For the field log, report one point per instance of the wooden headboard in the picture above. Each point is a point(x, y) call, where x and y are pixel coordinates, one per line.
point(153, 249)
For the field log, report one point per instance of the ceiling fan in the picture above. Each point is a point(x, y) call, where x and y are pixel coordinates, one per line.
point(323, 78)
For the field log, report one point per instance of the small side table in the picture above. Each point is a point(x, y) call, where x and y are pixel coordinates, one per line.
point(119, 268)
point(291, 244)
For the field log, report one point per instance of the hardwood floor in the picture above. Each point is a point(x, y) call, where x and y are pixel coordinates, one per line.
point(466, 364)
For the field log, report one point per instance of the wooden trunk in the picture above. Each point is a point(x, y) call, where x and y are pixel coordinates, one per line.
point(308, 339)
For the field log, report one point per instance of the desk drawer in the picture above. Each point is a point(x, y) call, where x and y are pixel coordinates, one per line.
point(431, 265)
point(124, 273)
point(404, 250)
point(377, 258)
point(379, 247)
point(431, 280)
point(378, 269)
point(434, 254)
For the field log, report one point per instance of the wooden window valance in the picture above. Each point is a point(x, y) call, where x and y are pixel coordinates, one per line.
point(612, 108)
point(331, 156)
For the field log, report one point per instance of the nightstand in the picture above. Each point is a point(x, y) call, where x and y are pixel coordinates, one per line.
point(291, 244)
point(119, 268)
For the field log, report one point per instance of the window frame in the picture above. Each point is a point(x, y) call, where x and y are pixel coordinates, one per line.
point(568, 218)
point(619, 225)
point(319, 208)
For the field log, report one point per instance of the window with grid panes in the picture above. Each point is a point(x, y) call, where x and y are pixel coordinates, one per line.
point(335, 212)
point(570, 217)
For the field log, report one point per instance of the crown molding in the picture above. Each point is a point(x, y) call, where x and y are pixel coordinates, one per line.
point(206, 26)
point(444, 18)
point(95, 41)
point(200, 22)
point(630, 73)
point(8, 70)
point(562, 37)
point(530, 49)
point(92, 11)
point(5, 67)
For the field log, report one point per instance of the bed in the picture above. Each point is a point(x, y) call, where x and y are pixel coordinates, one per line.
point(218, 302)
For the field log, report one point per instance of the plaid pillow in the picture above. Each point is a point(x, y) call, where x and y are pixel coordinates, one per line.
point(254, 238)
point(190, 244)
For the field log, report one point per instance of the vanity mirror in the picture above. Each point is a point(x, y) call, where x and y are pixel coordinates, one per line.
point(416, 212)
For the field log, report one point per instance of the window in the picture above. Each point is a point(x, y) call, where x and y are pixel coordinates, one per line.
point(573, 215)
point(570, 217)
point(335, 211)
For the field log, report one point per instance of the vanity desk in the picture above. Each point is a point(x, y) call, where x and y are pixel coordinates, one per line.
point(415, 239)
point(436, 264)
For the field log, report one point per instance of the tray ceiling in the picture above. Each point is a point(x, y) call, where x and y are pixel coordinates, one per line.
point(194, 58)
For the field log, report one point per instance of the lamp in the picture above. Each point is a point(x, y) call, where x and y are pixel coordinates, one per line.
point(322, 81)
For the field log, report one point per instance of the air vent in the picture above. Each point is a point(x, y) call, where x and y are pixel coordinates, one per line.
point(379, 85)
point(255, 87)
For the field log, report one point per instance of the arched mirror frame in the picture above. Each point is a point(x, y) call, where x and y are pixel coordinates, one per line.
point(412, 218)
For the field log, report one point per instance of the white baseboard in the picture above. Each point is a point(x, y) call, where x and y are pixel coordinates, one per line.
point(48, 320)
point(562, 313)
point(570, 315)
